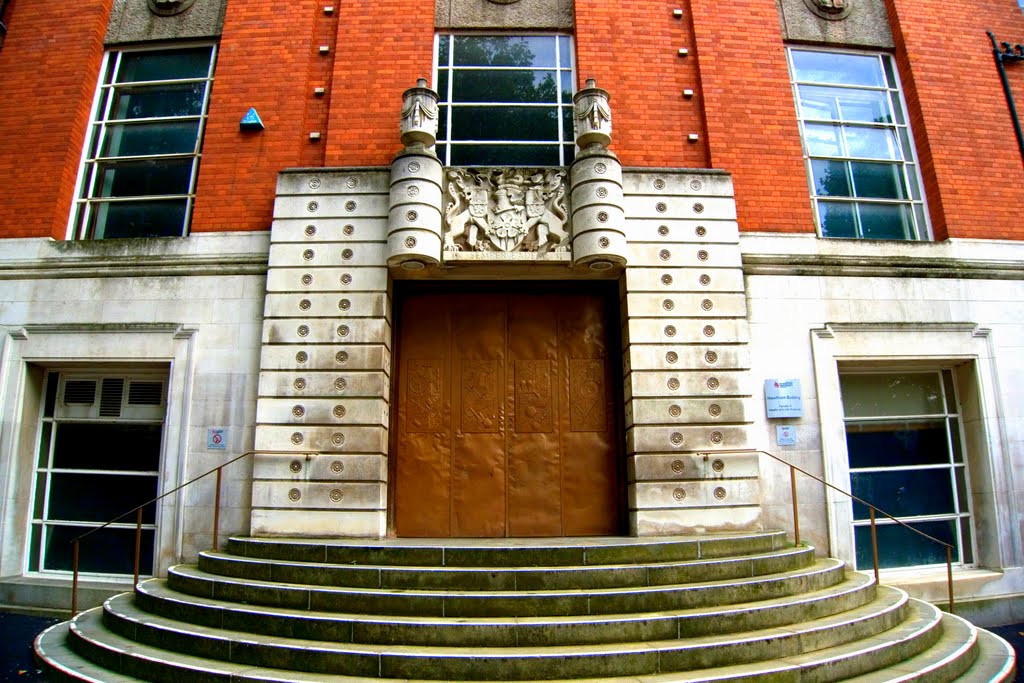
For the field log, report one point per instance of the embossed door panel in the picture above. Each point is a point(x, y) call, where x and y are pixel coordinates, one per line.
point(505, 423)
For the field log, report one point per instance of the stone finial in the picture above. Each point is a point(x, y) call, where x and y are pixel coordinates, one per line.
point(593, 116)
point(419, 115)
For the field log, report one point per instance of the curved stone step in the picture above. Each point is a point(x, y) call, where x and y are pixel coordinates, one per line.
point(996, 661)
point(156, 597)
point(504, 552)
point(869, 628)
point(822, 573)
point(499, 578)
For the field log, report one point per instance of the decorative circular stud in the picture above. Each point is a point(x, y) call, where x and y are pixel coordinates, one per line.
point(306, 279)
point(675, 411)
point(603, 242)
point(298, 411)
point(312, 206)
point(717, 465)
point(343, 330)
point(339, 411)
point(716, 437)
point(666, 279)
point(352, 183)
point(410, 242)
point(295, 466)
point(670, 330)
point(671, 356)
point(337, 438)
point(294, 495)
point(414, 166)
point(602, 217)
point(347, 254)
point(679, 494)
point(341, 357)
point(411, 216)
point(713, 383)
point(337, 467)
point(600, 168)
point(413, 191)
point(299, 384)
point(301, 357)
point(714, 410)
point(602, 192)
point(695, 184)
point(661, 207)
point(336, 495)
point(341, 384)
point(350, 206)
point(296, 438)
point(314, 183)
point(664, 254)
point(349, 229)
point(668, 304)
point(709, 330)
point(308, 254)
point(705, 279)
point(344, 304)
point(302, 330)
point(305, 304)
point(673, 384)
point(711, 357)
point(663, 230)
point(346, 279)
point(702, 255)
point(720, 493)
point(678, 466)
point(698, 207)
point(707, 304)
point(701, 231)
point(659, 184)
point(310, 230)
point(676, 439)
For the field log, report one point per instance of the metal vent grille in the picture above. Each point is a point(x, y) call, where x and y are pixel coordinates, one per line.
point(110, 397)
point(145, 393)
point(80, 391)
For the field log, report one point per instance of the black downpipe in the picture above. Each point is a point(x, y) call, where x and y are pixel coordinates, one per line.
point(1003, 54)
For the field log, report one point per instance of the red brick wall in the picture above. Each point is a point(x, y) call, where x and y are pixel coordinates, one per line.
point(49, 67)
point(267, 56)
point(383, 48)
point(965, 140)
point(632, 50)
point(751, 116)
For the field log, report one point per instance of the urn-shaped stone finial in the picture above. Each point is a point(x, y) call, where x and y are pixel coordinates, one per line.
point(419, 115)
point(593, 116)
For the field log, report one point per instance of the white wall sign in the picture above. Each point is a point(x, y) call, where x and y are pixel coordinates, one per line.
point(782, 398)
point(216, 439)
point(785, 435)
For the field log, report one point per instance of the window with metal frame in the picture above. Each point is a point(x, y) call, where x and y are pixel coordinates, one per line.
point(861, 167)
point(907, 457)
point(505, 100)
point(98, 457)
point(142, 153)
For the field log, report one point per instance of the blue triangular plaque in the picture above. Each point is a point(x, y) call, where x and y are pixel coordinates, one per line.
point(251, 120)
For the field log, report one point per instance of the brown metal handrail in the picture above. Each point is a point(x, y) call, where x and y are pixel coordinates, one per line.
point(138, 522)
point(872, 509)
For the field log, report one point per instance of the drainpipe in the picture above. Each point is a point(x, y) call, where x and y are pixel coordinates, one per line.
point(1013, 54)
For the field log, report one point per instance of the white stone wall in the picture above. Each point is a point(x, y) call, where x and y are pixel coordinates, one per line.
point(191, 307)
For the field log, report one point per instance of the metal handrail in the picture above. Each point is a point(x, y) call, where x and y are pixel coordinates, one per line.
point(793, 469)
point(138, 521)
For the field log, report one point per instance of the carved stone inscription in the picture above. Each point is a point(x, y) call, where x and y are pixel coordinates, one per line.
point(505, 210)
point(533, 396)
point(423, 410)
point(586, 395)
point(480, 396)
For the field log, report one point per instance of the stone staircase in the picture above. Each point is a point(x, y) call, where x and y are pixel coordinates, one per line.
point(737, 607)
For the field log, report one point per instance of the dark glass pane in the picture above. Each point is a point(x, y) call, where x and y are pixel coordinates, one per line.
point(890, 74)
point(900, 547)
point(967, 541)
point(139, 219)
point(105, 446)
point(442, 123)
point(504, 50)
point(884, 181)
point(896, 393)
point(885, 222)
point(568, 133)
point(564, 53)
point(442, 85)
point(874, 444)
point(46, 429)
point(505, 86)
point(33, 551)
point(947, 386)
point(442, 151)
point(52, 380)
point(160, 100)
point(835, 67)
point(108, 551)
point(143, 178)
point(568, 153)
point(836, 220)
point(143, 139)
point(830, 178)
point(99, 497)
point(566, 78)
point(505, 123)
point(904, 493)
point(442, 50)
point(164, 65)
point(39, 502)
point(504, 155)
point(954, 431)
point(961, 489)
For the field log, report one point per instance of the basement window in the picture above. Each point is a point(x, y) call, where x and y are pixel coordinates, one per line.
point(505, 100)
point(142, 153)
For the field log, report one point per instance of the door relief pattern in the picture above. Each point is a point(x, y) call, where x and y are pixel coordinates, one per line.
point(587, 395)
point(533, 396)
point(423, 411)
point(480, 412)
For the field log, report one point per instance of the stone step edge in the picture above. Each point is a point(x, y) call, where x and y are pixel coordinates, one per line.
point(996, 661)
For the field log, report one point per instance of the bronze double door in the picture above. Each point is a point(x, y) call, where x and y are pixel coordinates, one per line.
point(505, 420)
